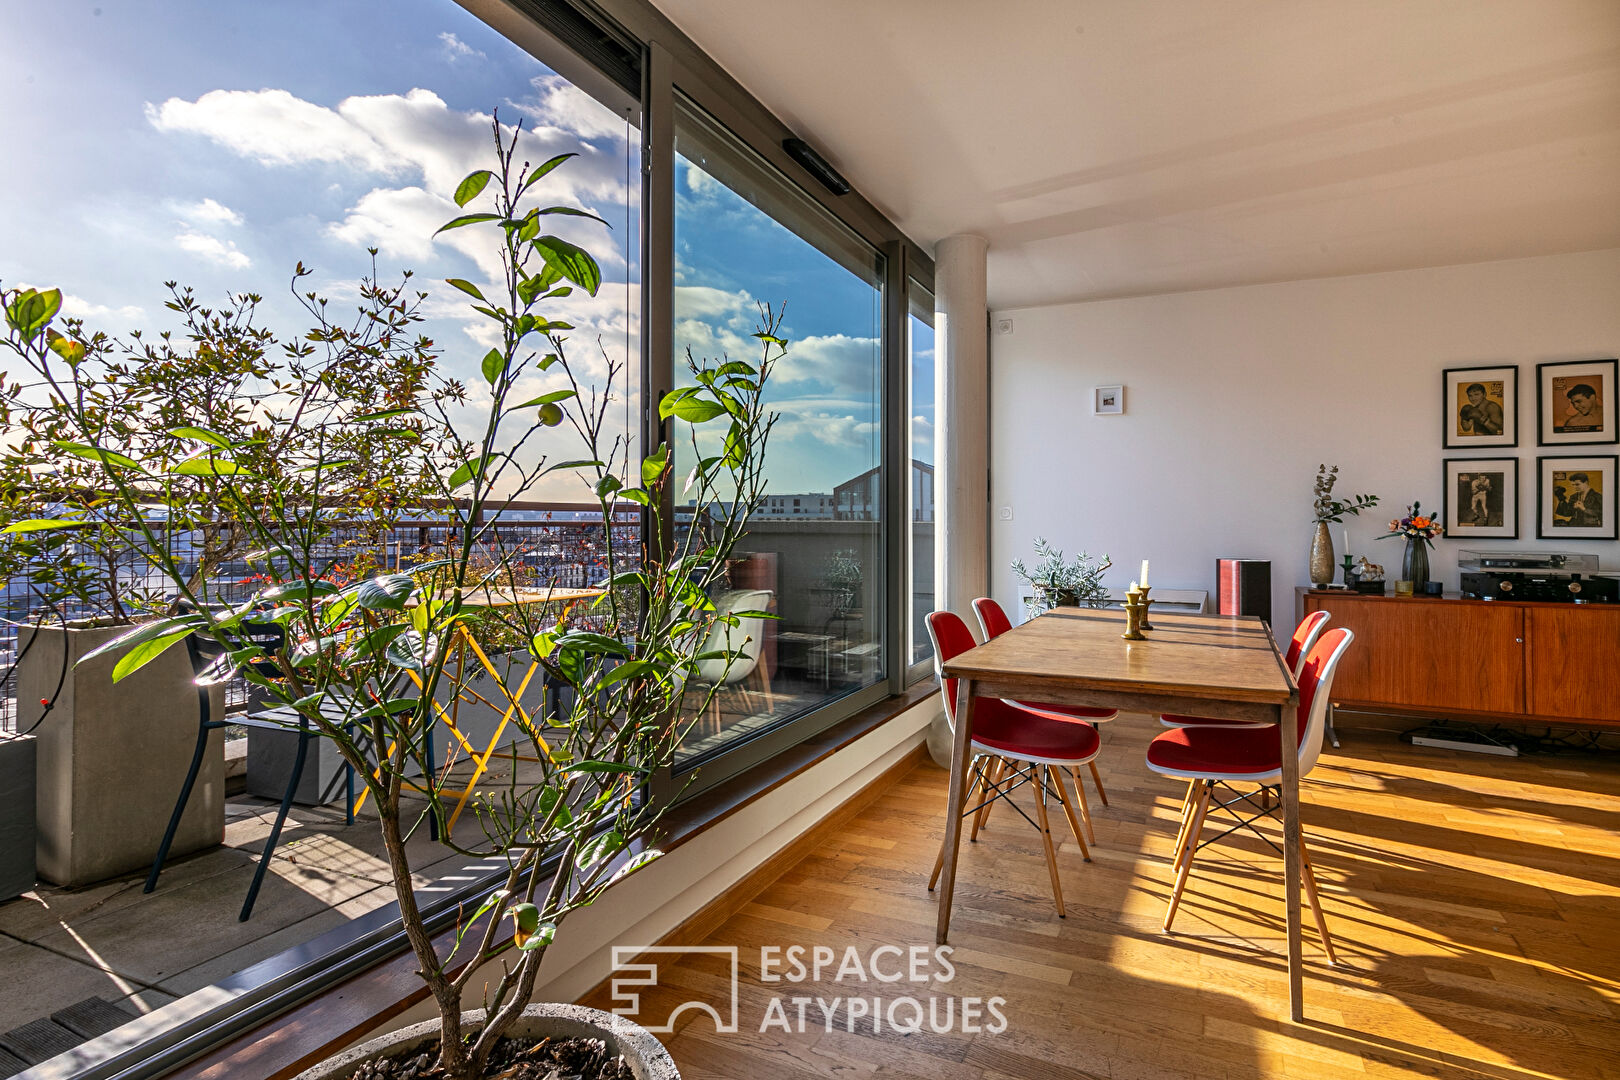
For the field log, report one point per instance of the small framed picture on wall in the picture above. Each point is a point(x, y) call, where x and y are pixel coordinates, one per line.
point(1481, 407)
point(1481, 498)
point(1575, 403)
point(1108, 400)
point(1575, 497)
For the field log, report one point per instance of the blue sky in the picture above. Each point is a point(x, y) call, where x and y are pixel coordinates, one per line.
point(220, 143)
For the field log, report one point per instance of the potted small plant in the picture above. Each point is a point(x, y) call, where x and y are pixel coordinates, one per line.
point(1330, 511)
point(1419, 530)
point(363, 663)
point(1060, 582)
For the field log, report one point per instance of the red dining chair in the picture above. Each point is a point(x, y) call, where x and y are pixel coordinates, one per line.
point(994, 622)
point(1011, 746)
point(1299, 647)
point(1215, 758)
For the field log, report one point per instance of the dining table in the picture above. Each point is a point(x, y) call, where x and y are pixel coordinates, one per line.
point(1224, 666)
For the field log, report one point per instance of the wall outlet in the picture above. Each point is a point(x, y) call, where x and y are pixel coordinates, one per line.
point(1006, 513)
point(1003, 326)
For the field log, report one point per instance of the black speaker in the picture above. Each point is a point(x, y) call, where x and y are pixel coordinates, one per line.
point(1243, 587)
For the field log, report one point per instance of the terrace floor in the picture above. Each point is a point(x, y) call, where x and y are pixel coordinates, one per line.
point(1475, 903)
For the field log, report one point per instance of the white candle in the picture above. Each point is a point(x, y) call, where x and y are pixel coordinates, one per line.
point(1134, 587)
point(1144, 573)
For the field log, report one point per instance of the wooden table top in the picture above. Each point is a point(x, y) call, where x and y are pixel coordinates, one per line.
point(1220, 657)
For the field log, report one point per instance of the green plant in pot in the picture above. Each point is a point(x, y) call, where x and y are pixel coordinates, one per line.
point(97, 559)
point(1063, 582)
point(364, 662)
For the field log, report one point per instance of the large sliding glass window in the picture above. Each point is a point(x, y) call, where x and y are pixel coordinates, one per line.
point(746, 237)
point(920, 380)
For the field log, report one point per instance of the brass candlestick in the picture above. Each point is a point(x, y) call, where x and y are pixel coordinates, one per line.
point(1143, 589)
point(1135, 614)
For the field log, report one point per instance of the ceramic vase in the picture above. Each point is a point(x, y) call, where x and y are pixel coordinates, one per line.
point(1321, 555)
point(1415, 566)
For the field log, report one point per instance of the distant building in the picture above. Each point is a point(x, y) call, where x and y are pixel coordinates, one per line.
point(856, 499)
point(813, 505)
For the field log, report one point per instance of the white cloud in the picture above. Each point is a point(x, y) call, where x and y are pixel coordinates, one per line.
point(560, 104)
point(208, 212)
point(456, 49)
point(77, 307)
point(215, 250)
point(272, 127)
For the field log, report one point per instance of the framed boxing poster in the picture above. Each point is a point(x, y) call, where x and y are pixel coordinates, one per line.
point(1481, 407)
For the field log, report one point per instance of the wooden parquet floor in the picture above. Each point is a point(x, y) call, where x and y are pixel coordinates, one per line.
point(1474, 901)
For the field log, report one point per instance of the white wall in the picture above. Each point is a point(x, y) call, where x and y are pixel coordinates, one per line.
point(1233, 396)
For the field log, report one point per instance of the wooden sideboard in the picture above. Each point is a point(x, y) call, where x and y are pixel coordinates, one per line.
point(1541, 663)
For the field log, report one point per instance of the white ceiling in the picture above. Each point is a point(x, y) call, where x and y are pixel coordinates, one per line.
point(1122, 147)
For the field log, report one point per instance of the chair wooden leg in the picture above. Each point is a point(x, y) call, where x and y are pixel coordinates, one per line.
point(1085, 807)
point(1194, 831)
point(992, 778)
point(1187, 805)
point(1068, 808)
point(1046, 839)
point(1309, 880)
point(975, 783)
point(1003, 774)
point(1097, 779)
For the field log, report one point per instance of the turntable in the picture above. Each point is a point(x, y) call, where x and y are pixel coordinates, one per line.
point(1558, 577)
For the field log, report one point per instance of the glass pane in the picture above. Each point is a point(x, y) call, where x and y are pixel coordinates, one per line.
point(221, 148)
point(745, 236)
point(920, 348)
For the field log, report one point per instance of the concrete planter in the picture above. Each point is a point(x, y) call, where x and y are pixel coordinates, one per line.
point(17, 833)
point(111, 758)
point(645, 1055)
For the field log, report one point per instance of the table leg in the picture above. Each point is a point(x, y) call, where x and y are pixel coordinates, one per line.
point(1291, 861)
point(955, 801)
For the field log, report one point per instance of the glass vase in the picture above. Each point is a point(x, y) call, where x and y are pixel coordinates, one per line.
point(1415, 566)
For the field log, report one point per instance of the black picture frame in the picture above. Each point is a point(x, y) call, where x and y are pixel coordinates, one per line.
point(1547, 467)
point(1508, 500)
point(1604, 375)
point(1454, 383)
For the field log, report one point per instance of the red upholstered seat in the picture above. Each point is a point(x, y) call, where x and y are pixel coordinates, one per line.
point(1299, 646)
point(994, 622)
point(1032, 732)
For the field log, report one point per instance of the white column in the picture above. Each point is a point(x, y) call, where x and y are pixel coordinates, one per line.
point(962, 432)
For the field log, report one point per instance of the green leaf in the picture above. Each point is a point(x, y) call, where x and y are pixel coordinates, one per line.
point(580, 464)
point(409, 650)
point(636, 863)
point(92, 453)
point(542, 169)
point(571, 262)
point(585, 641)
point(494, 364)
point(68, 349)
point(465, 219)
point(475, 182)
point(630, 669)
point(388, 708)
point(573, 212)
point(41, 525)
point(542, 936)
point(607, 485)
point(602, 846)
point(736, 448)
point(695, 410)
point(635, 495)
point(145, 632)
point(468, 470)
point(208, 466)
point(771, 339)
point(593, 766)
point(544, 399)
point(201, 434)
point(31, 311)
point(386, 414)
point(465, 286)
point(386, 592)
point(145, 653)
point(654, 464)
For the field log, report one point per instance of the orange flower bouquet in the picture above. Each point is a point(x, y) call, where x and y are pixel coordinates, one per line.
point(1415, 525)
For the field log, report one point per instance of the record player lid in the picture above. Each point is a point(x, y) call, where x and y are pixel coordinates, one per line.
point(1558, 562)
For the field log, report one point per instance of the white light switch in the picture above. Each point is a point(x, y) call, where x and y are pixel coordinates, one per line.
point(1003, 326)
point(1006, 513)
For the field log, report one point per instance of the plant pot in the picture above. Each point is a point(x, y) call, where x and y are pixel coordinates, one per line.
point(1321, 555)
point(112, 757)
point(645, 1055)
point(1415, 566)
point(17, 833)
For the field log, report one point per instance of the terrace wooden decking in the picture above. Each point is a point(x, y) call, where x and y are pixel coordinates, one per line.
point(1475, 902)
